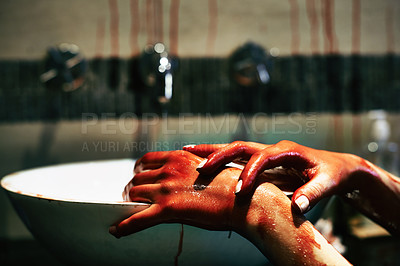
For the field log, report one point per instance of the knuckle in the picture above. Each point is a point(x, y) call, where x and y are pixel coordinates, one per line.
point(238, 143)
point(314, 191)
point(166, 188)
point(179, 154)
point(290, 146)
point(167, 171)
point(260, 154)
point(286, 144)
point(144, 159)
point(147, 156)
point(163, 174)
point(175, 154)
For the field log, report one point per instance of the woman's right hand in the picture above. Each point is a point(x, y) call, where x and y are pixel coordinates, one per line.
point(324, 173)
point(370, 189)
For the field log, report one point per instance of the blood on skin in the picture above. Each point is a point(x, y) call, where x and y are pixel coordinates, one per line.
point(276, 216)
point(306, 243)
point(371, 192)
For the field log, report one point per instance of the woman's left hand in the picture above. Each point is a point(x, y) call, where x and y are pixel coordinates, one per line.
point(178, 193)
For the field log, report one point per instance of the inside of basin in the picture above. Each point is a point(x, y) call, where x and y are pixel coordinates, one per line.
point(101, 181)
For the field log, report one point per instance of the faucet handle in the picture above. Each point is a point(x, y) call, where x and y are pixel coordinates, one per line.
point(65, 67)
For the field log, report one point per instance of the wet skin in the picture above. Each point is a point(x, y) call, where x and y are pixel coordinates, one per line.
point(370, 189)
point(179, 193)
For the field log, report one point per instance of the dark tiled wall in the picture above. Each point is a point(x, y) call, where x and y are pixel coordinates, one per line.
point(202, 85)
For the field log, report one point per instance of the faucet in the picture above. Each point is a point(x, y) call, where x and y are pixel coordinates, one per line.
point(156, 73)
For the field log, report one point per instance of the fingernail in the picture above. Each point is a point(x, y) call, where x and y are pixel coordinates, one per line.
point(238, 186)
point(113, 230)
point(202, 163)
point(125, 196)
point(303, 203)
point(189, 146)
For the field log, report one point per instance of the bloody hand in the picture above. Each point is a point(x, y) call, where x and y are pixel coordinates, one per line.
point(325, 173)
point(178, 193)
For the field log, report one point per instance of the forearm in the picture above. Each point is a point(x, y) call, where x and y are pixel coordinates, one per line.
point(282, 236)
point(376, 193)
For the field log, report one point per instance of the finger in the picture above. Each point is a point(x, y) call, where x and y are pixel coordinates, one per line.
point(227, 154)
point(305, 197)
point(151, 160)
point(271, 157)
point(286, 179)
point(142, 178)
point(143, 193)
point(137, 222)
point(125, 193)
point(203, 150)
point(147, 177)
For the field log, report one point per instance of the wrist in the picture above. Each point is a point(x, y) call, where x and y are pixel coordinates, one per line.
point(375, 193)
point(355, 172)
point(260, 216)
point(362, 173)
point(281, 235)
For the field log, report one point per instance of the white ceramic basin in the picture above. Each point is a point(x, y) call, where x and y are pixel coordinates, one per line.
point(70, 207)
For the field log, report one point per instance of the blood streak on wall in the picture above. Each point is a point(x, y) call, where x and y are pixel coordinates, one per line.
point(331, 45)
point(114, 25)
point(150, 22)
point(135, 27)
point(174, 26)
point(212, 26)
point(314, 26)
point(158, 21)
point(294, 25)
point(100, 36)
point(356, 27)
point(390, 42)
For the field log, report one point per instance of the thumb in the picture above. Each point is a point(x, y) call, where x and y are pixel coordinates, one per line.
point(305, 197)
